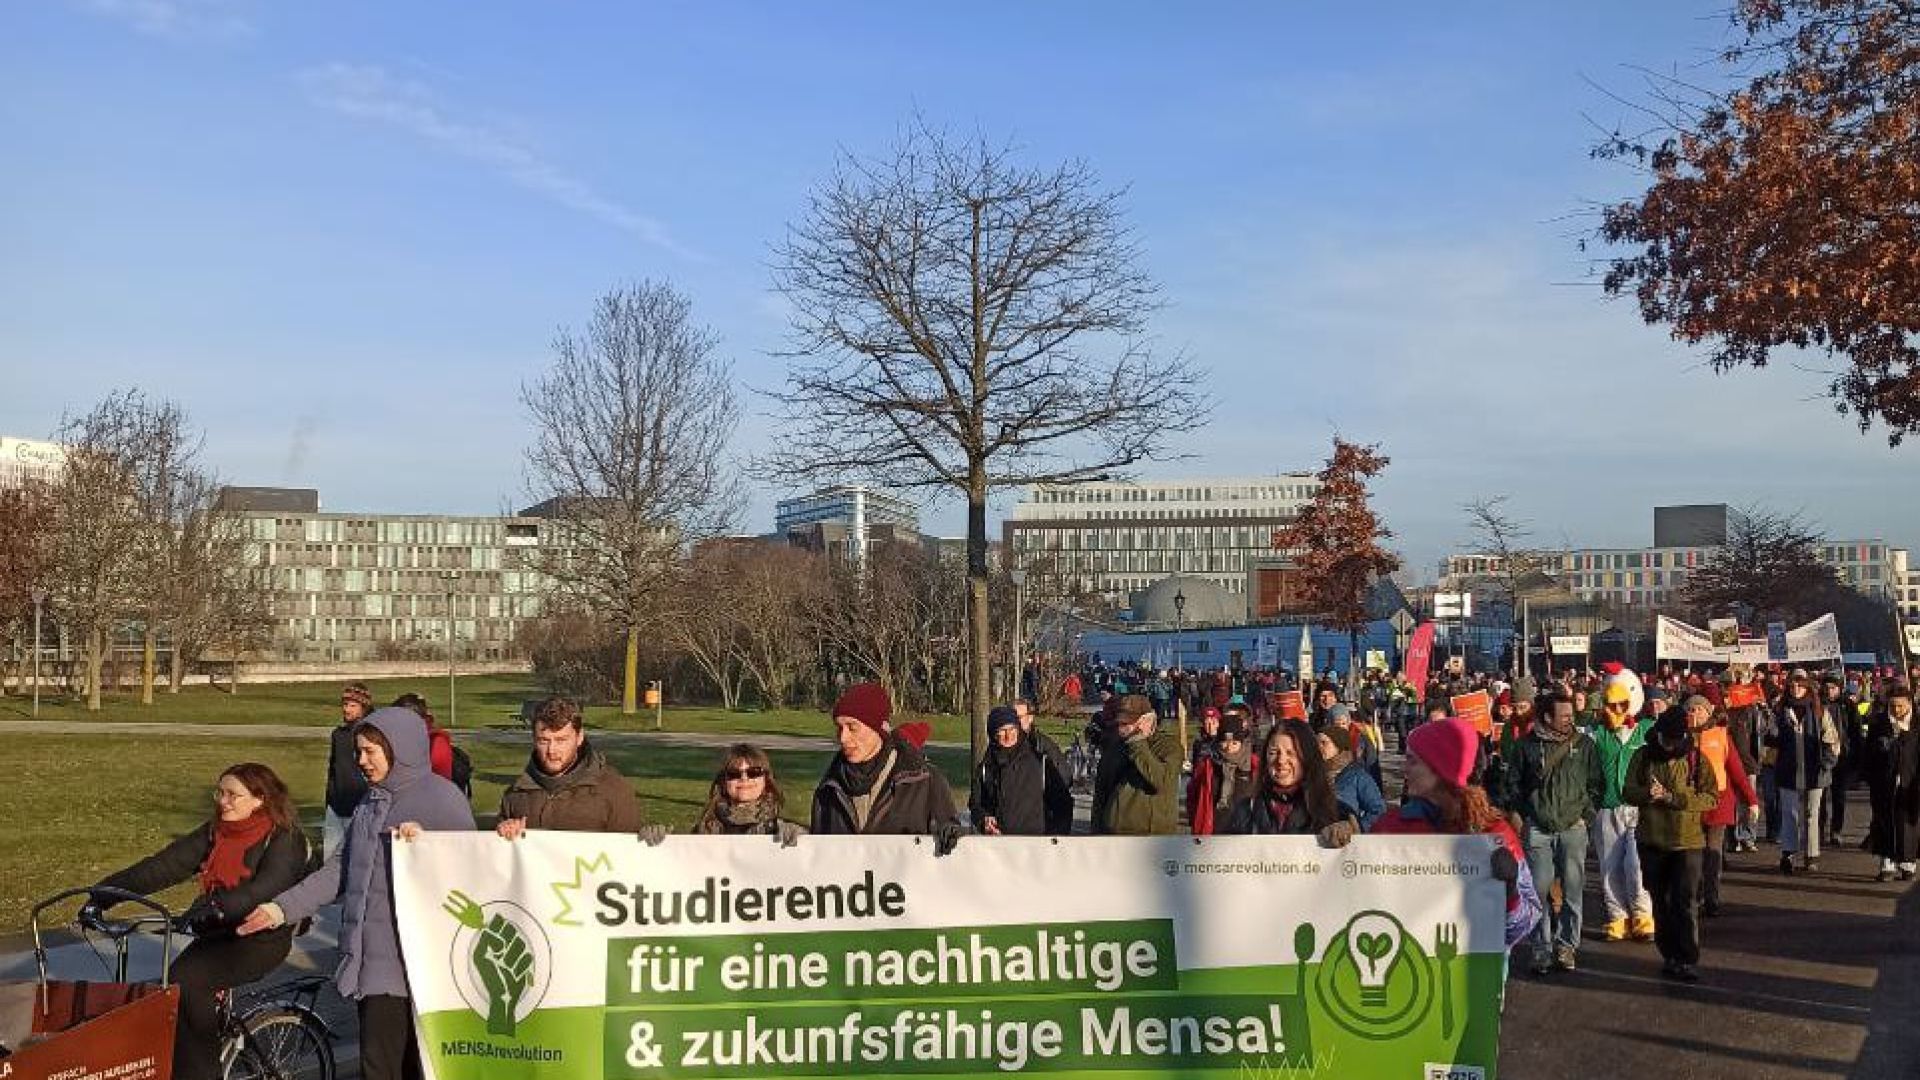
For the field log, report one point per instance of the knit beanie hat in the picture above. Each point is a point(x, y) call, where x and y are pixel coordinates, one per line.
point(1337, 713)
point(1342, 738)
point(1001, 716)
point(866, 702)
point(1448, 747)
point(357, 694)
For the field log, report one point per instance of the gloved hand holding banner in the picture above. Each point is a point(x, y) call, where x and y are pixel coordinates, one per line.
point(579, 956)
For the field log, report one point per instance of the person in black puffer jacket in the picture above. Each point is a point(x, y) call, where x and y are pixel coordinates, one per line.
point(745, 799)
point(251, 850)
point(1010, 783)
point(880, 783)
point(345, 784)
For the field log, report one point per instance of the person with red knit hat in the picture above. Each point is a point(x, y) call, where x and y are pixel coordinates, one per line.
point(1442, 798)
point(880, 783)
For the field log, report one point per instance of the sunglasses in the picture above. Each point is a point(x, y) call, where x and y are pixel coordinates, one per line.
point(751, 772)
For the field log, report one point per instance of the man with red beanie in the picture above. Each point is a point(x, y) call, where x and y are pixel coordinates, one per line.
point(880, 783)
point(1442, 798)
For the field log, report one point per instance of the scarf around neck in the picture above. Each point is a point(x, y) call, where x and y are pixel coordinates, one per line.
point(226, 864)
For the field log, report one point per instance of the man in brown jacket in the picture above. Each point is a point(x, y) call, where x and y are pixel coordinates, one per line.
point(567, 784)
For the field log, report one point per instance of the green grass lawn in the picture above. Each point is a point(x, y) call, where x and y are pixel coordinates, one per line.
point(81, 806)
point(484, 701)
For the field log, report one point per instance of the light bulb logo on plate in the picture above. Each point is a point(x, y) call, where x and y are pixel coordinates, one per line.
point(1375, 979)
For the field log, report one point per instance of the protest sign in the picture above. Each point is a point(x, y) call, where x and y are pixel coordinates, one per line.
point(579, 956)
point(1817, 640)
point(1570, 644)
point(1744, 694)
point(1725, 634)
point(1291, 705)
point(1476, 709)
point(1419, 655)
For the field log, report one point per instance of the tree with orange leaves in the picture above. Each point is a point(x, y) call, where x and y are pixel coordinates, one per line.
point(1335, 542)
point(1785, 214)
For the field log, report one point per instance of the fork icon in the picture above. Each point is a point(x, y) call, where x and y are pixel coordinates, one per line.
point(1446, 947)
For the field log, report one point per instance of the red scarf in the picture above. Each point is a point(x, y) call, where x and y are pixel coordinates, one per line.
point(226, 864)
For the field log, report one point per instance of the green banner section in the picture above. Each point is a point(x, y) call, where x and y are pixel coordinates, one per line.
point(1111, 1034)
point(1318, 1033)
point(1040, 959)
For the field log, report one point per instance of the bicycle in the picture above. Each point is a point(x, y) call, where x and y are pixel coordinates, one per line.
point(272, 1033)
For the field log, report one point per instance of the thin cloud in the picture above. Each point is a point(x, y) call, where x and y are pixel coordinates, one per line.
point(369, 92)
point(175, 20)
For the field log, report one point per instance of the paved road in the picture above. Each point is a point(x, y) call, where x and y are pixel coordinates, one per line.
point(1804, 976)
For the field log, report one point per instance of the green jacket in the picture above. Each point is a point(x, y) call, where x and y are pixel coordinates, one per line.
point(1136, 792)
point(1615, 756)
point(1673, 824)
point(1553, 798)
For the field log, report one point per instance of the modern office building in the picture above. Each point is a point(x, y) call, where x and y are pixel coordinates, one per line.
point(1653, 576)
point(1116, 539)
point(846, 521)
point(29, 460)
point(367, 586)
point(1906, 585)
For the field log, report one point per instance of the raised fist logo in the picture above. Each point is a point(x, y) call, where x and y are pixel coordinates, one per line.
point(502, 959)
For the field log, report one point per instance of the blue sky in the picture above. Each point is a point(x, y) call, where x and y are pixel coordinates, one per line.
point(343, 235)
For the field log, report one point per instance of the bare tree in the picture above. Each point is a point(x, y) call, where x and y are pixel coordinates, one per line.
point(631, 424)
point(966, 323)
point(775, 591)
point(217, 593)
point(1769, 568)
point(101, 537)
point(26, 541)
point(1500, 536)
point(701, 620)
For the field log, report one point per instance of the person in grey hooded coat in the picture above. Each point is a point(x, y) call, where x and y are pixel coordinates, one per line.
point(391, 747)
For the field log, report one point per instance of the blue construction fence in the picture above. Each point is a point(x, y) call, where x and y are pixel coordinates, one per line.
point(1216, 646)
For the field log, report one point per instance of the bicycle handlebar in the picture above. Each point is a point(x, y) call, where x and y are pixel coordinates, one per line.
point(161, 920)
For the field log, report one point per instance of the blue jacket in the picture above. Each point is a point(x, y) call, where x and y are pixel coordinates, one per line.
point(358, 874)
point(1359, 795)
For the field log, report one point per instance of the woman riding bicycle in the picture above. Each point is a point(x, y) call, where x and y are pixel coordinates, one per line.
point(250, 851)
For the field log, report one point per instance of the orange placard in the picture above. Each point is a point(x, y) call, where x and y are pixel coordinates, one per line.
point(1292, 705)
point(1476, 709)
point(1743, 695)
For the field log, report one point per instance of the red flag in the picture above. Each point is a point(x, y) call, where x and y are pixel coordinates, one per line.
point(1419, 655)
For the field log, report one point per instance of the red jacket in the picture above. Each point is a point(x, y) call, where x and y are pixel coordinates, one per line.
point(440, 752)
point(1738, 790)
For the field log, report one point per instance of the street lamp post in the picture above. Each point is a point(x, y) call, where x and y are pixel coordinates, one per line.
point(1019, 631)
point(39, 601)
point(453, 708)
point(1179, 623)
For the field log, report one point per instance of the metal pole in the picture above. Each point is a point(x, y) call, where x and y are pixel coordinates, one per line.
point(39, 599)
point(453, 708)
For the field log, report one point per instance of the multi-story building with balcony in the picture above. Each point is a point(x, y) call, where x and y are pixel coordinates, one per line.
point(1116, 539)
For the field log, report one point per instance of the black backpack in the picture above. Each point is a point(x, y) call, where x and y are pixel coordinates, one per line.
point(462, 771)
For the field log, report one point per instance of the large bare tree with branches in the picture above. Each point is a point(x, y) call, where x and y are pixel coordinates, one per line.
point(967, 323)
point(631, 424)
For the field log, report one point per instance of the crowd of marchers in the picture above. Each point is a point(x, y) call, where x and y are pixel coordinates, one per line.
point(1654, 779)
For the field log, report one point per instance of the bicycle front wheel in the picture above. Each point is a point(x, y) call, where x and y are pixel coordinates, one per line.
point(283, 1044)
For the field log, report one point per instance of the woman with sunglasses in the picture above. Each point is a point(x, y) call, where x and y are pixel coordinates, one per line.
point(745, 799)
point(250, 850)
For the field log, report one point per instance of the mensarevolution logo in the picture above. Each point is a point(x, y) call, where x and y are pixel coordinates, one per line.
point(501, 961)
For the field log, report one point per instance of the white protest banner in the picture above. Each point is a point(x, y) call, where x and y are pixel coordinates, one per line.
point(1912, 631)
point(1816, 641)
point(578, 956)
point(1570, 644)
